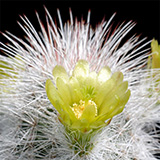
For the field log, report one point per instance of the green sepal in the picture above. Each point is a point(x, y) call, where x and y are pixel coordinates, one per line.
point(97, 124)
point(81, 124)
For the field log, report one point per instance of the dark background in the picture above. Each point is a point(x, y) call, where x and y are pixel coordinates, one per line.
point(145, 13)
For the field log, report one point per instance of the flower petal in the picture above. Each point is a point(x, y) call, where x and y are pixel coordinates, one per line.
point(115, 110)
point(81, 70)
point(104, 74)
point(63, 90)
point(91, 79)
point(75, 90)
point(103, 90)
point(106, 88)
point(113, 99)
point(118, 77)
point(89, 113)
point(124, 99)
point(108, 105)
point(53, 95)
point(65, 118)
point(56, 101)
point(59, 71)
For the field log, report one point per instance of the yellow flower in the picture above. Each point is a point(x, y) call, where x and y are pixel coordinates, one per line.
point(87, 100)
point(8, 73)
point(154, 63)
point(4, 66)
point(154, 60)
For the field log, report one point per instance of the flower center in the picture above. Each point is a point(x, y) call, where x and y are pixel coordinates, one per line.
point(79, 108)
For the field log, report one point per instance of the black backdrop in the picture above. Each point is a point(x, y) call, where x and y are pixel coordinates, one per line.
point(145, 13)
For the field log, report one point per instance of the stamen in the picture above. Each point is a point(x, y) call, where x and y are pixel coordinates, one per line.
point(79, 108)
